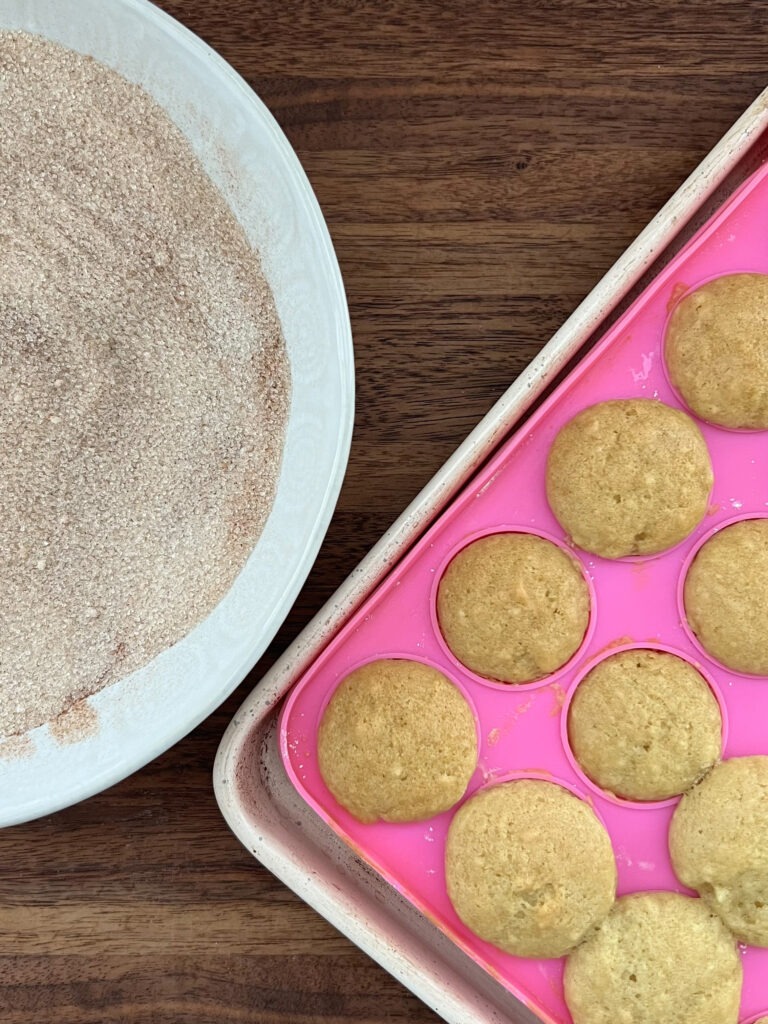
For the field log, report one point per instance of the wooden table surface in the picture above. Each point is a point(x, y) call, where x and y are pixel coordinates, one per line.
point(480, 166)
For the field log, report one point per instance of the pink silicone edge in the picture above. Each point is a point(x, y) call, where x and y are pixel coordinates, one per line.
point(561, 394)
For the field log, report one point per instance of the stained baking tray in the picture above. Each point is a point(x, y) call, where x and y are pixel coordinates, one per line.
point(256, 798)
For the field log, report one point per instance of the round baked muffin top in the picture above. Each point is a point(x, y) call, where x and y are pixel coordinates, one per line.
point(397, 742)
point(718, 841)
point(529, 867)
point(629, 477)
point(513, 607)
point(644, 725)
point(658, 958)
point(716, 350)
point(726, 593)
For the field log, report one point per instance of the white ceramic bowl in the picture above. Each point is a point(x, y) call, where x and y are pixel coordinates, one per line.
point(231, 131)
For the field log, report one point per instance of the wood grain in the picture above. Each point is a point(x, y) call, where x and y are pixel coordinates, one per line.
point(480, 166)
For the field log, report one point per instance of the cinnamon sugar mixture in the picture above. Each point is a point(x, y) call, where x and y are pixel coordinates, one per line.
point(144, 384)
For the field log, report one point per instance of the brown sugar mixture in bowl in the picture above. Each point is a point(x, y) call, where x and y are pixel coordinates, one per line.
point(144, 380)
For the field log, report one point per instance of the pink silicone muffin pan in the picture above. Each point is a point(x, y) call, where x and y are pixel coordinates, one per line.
point(635, 603)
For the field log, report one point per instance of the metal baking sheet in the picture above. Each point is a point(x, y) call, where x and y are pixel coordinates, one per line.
point(256, 797)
